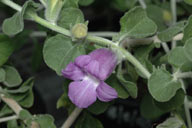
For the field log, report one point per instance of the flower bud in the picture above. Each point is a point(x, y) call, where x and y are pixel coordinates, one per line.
point(79, 31)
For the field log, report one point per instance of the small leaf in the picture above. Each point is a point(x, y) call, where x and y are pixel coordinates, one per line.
point(66, 20)
point(187, 30)
point(2, 75)
point(113, 81)
point(148, 109)
point(177, 57)
point(27, 85)
point(14, 124)
point(5, 110)
point(6, 49)
point(188, 49)
point(171, 122)
point(162, 86)
point(12, 78)
point(136, 24)
point(28, 100)
point(87, 121)
point(15, 24)
point(168, 34)
point(188, 2)
point(173, 103)
point(58, 51)
point(44, 121)
point(99, 107)
point(85, 2)
point(24, 115)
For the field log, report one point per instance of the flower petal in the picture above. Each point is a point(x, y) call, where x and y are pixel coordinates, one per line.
point(105, 92)
point(82, 60)
point(107, 61)
point(83, 93)
point(73, 72)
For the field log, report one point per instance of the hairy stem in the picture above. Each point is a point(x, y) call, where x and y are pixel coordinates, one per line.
point(186, 107)
point(5, 119)
point(72, 118)
point(12, 104)
point(182, 75)
point(12, 5)
point(142, 3)
point(174, 15)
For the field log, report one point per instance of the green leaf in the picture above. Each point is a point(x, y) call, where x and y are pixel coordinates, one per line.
point(66, 20)
point(71, 4)
point(188, 30)
point(24, 115)
point(173, 103)
point(14, 124)
point(87, 121)
point(162, 85)
point(5, 110)
point(129, 86)
point(6, 49)
point(177, 57)
point(2, 75)
point(58, 51)
point(168, 34)
point(148, 109)
point(188, 2)
point(85, 2)
point(28, 100)
point(188, 49)
point(15, 24)
point(99, 107)
point(44, 121)
point(171, 122)
point(136, 24)
point(12, 78)
point(113, 81)
point(156, 14)
point(27, 85)
point(123, 5)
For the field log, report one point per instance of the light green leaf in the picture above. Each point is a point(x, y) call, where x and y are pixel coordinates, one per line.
point(66, 20)
point(15, 24)
point(162, 86)
point(174, 103)
point(188, 30)
point(99, 107)
point(5, 110)
point(188, 49)
point(136, 24)
point(12, 78)
point(58, 51)
point(168, 34)
point(87, 121)
point(2, 74)
point(148, 109)
point(85, 2)
point(71, 4)
point(177, 57)
point(24, 115)
point(171, 122)
point(123, 5)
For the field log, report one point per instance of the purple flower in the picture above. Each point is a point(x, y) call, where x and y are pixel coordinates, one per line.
point(89, 73)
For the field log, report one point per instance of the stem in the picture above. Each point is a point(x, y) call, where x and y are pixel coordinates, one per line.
point(12, 104)
point(5, 119)
point(183, 75)
point(186, 107)
point(12, 5)
point(142, 3)
point(72, 118)
point(174, 14)
point(103, 34)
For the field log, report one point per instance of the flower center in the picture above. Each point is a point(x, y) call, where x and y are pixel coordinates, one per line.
point(92, 80)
